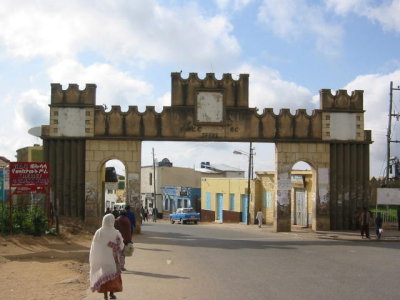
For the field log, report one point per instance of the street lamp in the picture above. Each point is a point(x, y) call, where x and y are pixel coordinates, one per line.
point(250, 173)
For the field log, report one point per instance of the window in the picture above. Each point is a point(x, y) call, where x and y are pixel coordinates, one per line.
point(208, 200)
point(267, 197)
point(151, 179)
point(231, 201)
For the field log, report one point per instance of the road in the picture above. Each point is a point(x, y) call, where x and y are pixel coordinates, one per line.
point(221, 261)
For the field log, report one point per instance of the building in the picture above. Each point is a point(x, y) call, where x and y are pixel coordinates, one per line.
point(4, 162)
point(165, 175)
point(220, 170)
point(31, 153)
point(177, 197)
point(225, 199)
point(177, 178)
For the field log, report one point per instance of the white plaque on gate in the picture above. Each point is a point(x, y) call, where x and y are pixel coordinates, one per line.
point(210, 107)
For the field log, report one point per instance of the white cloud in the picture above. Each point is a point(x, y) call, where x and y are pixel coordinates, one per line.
point(386, 13)
point(268, 90)
point(295, 19)
point(376, 105)
point(149, 31)
point(234, 5)
point(114, 87)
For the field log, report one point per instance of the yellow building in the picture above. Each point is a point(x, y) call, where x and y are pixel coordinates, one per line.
point(225, 199)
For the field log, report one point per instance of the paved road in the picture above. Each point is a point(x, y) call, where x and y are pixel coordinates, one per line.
point(221, 261)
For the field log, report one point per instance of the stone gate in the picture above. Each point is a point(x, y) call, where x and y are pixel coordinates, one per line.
point(81, 137)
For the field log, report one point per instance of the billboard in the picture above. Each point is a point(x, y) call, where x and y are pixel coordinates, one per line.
point(388, 196)
point(29, 177)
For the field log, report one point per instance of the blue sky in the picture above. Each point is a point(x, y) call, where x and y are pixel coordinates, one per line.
point(290, 48)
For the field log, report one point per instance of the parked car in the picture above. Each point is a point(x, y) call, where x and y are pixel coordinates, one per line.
point(185, 215)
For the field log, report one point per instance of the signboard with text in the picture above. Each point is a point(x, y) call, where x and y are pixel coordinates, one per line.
point(29, 177)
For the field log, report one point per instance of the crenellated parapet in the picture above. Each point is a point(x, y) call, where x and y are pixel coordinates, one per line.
point(184, 91)
point(206, 109)
point(341, 101)
point(72, 96)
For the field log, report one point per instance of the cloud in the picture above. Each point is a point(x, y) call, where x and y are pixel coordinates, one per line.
point(31, 110)
point(234, 5)
point(117, 30)
point(376, 104)
point(268, 90)
point(295, 19)
point(114, 87)
point(386, 13)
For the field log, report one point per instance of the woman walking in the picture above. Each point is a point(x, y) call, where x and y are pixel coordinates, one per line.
point(104, 259)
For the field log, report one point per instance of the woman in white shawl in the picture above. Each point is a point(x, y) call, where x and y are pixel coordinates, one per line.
point(104, 259)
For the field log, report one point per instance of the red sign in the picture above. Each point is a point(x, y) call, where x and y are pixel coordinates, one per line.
point(29, 177)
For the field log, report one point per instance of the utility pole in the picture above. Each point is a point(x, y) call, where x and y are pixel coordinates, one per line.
point(154, 181)
point(389, 131)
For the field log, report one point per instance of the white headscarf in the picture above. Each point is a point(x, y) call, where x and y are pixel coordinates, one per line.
point(106, 246)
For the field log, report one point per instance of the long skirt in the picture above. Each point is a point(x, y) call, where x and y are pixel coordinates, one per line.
point(114, 285)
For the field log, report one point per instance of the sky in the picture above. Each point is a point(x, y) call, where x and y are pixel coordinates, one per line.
point(290, 48)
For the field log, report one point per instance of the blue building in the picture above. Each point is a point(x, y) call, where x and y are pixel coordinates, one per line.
point(174, 197)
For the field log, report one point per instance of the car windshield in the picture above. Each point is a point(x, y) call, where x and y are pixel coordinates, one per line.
point(186, 210)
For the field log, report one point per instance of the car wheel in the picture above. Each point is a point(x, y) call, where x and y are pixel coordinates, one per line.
point(195, 222)
point(172, 221)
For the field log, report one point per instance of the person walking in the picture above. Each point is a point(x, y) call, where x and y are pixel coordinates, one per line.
point(259, 217)
point(131, 216)
point(104, 259)
point(365, 219)
point(378, 225)
point(155, 212)
point(146, 214)
point(123, 224)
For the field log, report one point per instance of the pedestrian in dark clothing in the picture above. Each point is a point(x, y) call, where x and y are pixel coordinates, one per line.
point(115, 212)
point(378, 225)
point(123, 225)
point(141, 214)
point(131, 217)
point(155, 212)
point(365, 219)
point(108, 211)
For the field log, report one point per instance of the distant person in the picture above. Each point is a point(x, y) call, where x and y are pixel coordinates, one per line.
point(108, 211)
point(141, 214)
point(259, 217)
point(104, 259)
point(115, 212)
point(146, 214)
point(123, 224)
point(365, 219)
point(131, 216)
point(378, 225)
point(150, 213)
point(155, 212)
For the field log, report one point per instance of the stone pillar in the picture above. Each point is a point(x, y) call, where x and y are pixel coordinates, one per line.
point(282, 215)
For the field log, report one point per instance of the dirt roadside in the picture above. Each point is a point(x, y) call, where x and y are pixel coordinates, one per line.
point(47, 267)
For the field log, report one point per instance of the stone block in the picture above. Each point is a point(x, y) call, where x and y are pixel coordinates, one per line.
point(312, 148)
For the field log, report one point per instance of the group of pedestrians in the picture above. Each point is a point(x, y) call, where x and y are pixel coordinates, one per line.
point(107, 258)
point(148, 213)
point(365, 222)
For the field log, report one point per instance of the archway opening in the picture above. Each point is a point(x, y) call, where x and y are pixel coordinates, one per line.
point(303, 180)
point(113, 177)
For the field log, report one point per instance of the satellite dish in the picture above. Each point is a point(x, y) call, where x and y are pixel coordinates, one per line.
point(35, 131)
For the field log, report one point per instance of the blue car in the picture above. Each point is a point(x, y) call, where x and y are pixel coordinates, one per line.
point(185, 215)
